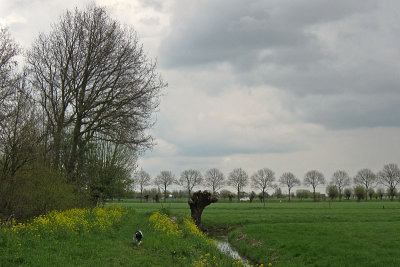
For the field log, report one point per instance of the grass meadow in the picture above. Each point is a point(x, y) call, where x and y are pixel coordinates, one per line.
point(304, 233)
point(300, 233)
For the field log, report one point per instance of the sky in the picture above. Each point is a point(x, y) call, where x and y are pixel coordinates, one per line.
point(286, 85)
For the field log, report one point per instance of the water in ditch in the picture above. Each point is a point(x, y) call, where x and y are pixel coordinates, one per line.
point(226, 248)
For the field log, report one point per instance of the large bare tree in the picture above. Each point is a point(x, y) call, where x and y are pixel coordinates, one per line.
point(163, 180)
point(95, 83)
point(214, 179)
point(390, 177)
point(288, 179)
point(313, 178)
point(8, 51)
point(341, 179)
point(262, 180)
point(238, 178)
point(189, 179)
point(366, 178)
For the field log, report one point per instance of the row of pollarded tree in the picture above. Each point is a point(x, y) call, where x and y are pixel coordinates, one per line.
point(264, 179)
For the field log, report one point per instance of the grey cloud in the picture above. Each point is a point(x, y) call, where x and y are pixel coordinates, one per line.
point(156, 4)
point(338, 112)
point(223, 148)
point(282, 44)
point(226, 30)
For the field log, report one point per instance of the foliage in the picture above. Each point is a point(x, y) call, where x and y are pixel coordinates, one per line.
point(314, 178)
point(163, 180)
point(303, 193)
point(288, 179)
point(371, 193)
point(359, 192)
point(278, 193)
point(225, 193)
point(74, 221)
point(332, 191)
point(189, 179)
point(390, 177)
point(214, 179)
point(263, 179)
point(78, 113)
point(366, 178)
point(341, 179)
point(347, 193)
point(238, 178)
point(161, 222)
point(34, 190)
point(107, 171)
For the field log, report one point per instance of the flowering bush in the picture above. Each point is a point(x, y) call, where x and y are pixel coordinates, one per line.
point(161, 222)
point(192, 229)
point(75, 221)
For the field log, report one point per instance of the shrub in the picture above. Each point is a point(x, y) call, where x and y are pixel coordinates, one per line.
point(359, 192)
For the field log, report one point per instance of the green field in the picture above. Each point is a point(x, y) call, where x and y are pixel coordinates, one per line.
point(300, 233)
point(303, 233)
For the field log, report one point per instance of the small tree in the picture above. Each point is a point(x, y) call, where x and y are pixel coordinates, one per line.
point(303, 193)
point(314, 178)
point(262, 180)
point(142, 179)
point(341, 179)
point(347, 193)
point(359, 192)
point(366, 178)
point(380, 192)
point(262, 196)
point(332, 191)
point(390, 177)
point(252, 196)
point(189, 179)
point(225, 193)
point(214, 179)
point(198, 202)
point(371, 193)
point(288, 179)
point(238, 179)
point(163, 180)
point(278, 192)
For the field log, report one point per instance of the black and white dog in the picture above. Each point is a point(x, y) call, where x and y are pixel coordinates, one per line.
point(138, 236)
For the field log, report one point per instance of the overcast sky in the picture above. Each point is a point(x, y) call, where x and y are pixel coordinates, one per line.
point(287, 85)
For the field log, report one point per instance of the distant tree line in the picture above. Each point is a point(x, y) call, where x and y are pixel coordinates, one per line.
point(365, 182)
point(74, 117)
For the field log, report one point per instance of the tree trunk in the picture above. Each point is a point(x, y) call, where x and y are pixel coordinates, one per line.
point(263, 197)
point(314, 193)
point(198, 202)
